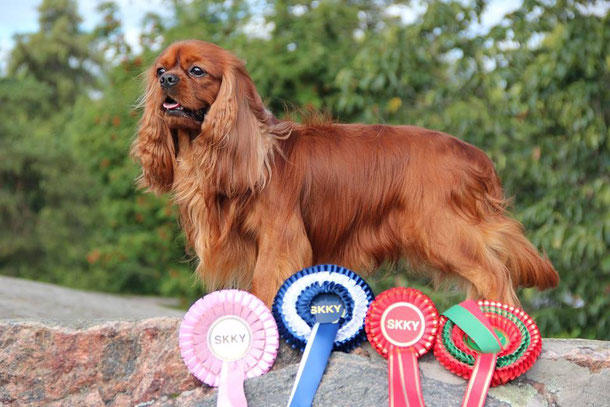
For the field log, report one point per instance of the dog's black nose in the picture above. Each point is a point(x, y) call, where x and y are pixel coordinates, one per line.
point(167, 80)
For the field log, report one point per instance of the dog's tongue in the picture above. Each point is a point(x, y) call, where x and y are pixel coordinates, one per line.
point(170, 106)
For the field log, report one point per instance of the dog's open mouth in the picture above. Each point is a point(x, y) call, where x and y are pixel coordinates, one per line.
point(174, 108)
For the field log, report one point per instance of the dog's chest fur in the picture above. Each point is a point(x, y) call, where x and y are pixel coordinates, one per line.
point(212, 224)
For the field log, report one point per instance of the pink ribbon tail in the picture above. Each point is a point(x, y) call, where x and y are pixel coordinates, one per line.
point(231, 387)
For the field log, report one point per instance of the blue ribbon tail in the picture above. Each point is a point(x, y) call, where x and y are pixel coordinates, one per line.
point(313, 363)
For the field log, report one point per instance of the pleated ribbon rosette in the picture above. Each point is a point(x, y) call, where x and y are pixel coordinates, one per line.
point(401, 325)
point(226, 337)
point(320, 309)
point(488, 343)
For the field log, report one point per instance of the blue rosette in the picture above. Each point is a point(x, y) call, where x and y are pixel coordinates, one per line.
point(317, 310)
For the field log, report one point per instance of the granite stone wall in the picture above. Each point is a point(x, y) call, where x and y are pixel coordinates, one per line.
point(137, 363)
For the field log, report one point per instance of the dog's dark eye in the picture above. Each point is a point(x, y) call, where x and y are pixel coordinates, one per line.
point(196, 71)
point(160, 71)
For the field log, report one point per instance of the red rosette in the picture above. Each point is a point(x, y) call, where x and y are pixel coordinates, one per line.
point(391, 297)
point(520, 337)
point(401, 324)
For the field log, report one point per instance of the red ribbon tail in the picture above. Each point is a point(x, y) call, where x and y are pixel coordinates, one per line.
point(478, 385)
point(404, 383)
point(231, 387)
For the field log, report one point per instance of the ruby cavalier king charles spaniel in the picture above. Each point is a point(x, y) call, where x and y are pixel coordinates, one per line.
point(260, 198)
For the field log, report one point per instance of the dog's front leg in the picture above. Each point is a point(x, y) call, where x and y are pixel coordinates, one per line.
point(283, 250)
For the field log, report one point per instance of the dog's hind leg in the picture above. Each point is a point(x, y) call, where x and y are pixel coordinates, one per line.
point(460, 249)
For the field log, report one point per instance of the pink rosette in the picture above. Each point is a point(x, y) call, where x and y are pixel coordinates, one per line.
point(225, 337)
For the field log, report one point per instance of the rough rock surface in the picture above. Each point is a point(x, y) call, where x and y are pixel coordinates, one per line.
point(21, 298)
point(137, 363)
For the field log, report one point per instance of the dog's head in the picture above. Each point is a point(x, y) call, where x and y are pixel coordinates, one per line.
point(185, 81)
point(204, 90)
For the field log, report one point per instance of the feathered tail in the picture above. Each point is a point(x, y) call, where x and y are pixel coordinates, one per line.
point(526, 266)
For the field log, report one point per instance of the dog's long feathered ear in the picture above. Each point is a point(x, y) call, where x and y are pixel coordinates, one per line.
point(154, 147)
point(220, 119)
point(235, 135)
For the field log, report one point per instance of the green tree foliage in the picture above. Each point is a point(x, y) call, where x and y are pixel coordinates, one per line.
point(44, 202)
point(136, 246)
point(533, 91)
point(57, 54)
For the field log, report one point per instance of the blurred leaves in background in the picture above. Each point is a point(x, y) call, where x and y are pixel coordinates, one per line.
point(532, 91)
